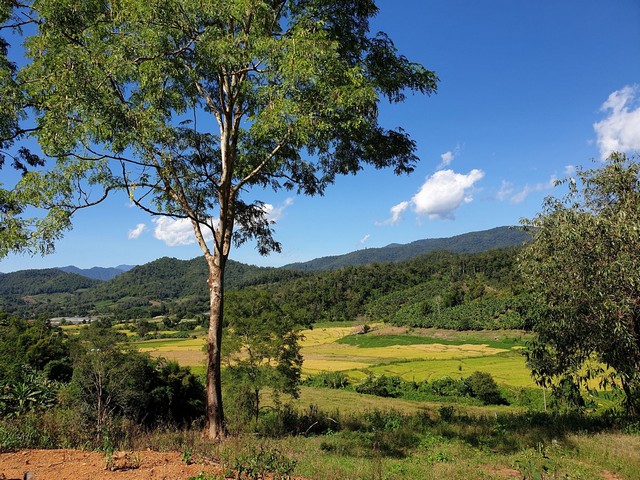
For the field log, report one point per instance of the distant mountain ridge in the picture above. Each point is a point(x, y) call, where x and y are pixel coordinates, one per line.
point(98, 273)
point(39, 281)
point(169, 285)
point(472, 242)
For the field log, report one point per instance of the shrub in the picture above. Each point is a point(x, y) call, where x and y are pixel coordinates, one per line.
point(259, 464)
point(482, 385)
point(328, 380)
point(382, 386)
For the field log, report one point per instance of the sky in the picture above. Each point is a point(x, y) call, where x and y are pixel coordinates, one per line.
point(528, 91)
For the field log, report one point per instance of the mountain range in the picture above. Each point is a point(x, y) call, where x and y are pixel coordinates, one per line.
point(172, 285)
point(472, 242)
point(98, 273)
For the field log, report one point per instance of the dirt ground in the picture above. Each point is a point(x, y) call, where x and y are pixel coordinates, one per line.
point(83, 465)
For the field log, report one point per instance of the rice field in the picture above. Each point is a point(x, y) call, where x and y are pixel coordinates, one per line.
point(186, 351)
point(417, 355)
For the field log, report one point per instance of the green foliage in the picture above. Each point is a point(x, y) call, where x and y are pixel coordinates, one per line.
point(265, 462)
point(110, 383)
point(482, 385)
point(398, 292)
point(328, 380)
point(20, 232)
point(537, 463)
point(382, 386)
point(261, 349)
point(34, 393)
point(409, 293)
point(479, 385)
point(490, 313)
point(583, 269)
point(36, 345)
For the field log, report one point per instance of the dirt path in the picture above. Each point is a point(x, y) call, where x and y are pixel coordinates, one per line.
point(82, 465)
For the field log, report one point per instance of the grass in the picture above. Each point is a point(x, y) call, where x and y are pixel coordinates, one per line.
point(506, 368)
point(378, 341)
point(468, 448)
point(414, 439)
point(476, 443)
point(187, 352)
point(419, 354)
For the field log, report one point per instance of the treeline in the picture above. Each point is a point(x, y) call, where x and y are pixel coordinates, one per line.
point(166, 286)
point(90, 384)
point(439, 289)
point(447, 290)
point(479, 387)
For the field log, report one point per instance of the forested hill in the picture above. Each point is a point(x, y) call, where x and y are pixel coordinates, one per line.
point(144, 290)
point(35, 282)
point(473, 242)
point(449, 290)
point(170, 278)
point(407, 292)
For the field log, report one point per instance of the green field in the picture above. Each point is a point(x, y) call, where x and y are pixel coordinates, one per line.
point(417, 355)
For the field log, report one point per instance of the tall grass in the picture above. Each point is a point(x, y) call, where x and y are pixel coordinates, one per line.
point(439, 442)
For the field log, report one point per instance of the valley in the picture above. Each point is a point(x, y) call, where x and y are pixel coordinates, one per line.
point(396, 370)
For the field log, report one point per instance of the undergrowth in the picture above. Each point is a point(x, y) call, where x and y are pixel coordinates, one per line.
point(447, 442)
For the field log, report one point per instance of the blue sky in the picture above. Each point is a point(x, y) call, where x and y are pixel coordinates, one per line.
point(528, 91)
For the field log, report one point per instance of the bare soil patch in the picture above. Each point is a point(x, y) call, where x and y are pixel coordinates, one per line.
point(84, 465)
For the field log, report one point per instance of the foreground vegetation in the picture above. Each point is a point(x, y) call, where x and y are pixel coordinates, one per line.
point(345, 424)
point(370, 400)
point(410, 441)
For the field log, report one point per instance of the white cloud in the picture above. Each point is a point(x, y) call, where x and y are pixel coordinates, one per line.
point(274, 214)
point(396, 214)
point(506, 189)
point(620, 131)
point(440, 195)
point(137, 231)
point(529, 189)
point(443, 192)
point(176, 232)
point(364, 239)
point(446, 159)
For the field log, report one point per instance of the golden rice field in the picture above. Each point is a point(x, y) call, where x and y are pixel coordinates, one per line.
point(460, 354)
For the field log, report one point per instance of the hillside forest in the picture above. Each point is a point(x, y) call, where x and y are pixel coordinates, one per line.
point(439, 289)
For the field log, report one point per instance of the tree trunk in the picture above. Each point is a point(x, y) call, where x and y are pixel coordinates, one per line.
point(215, 424)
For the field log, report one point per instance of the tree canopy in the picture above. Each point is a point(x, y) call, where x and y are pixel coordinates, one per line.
point(34, 216)
point(187, 105)
point(584, 271)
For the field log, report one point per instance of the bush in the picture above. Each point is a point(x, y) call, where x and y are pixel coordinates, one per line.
point(482, 385)
point(328, 380)
point(265, 462)
point(382, 386)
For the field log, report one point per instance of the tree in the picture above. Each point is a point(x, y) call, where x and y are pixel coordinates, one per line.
point(186, 105)
point(584, 269)
point(111, 381)
point(22, 230)
point(261, 348)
